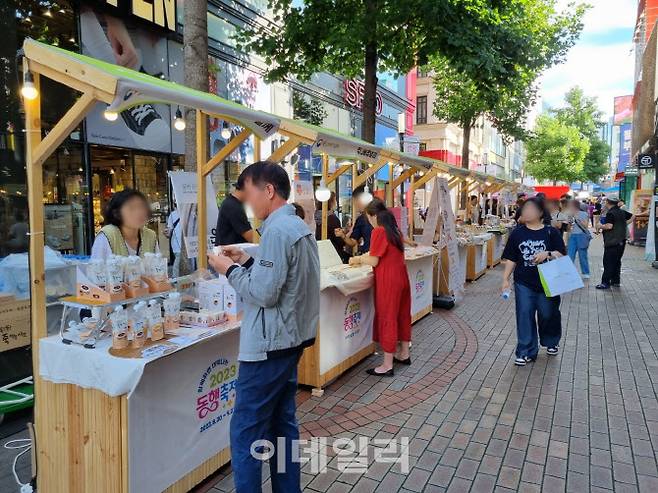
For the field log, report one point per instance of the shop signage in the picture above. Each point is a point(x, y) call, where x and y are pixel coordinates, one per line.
point(631, 170)
point(646, 161)
point(353, 91)
point(346, 149)
point(159, 12)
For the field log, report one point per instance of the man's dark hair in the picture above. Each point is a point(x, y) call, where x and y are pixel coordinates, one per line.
point(358, 190)
point(541, 195)
point(267, 173)
point(112, 213)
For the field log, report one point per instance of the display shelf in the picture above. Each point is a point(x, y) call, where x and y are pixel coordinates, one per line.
point(75, 302)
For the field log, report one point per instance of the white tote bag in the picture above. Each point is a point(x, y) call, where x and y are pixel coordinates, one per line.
point(559, 276)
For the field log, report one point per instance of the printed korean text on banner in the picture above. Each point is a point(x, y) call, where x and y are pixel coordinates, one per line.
point(431, 219)
point(184, 185)
point(449, 239)
point(346, 148)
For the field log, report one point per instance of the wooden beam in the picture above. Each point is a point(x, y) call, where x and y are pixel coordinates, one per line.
point(283, 150)
point(363, 177)
point(410, 206)
point(224, 152)
point(390, 196)
point(425, 178)
point(201, 166)
point(325, 204)
point(454, 183)
point(64, 127)
point(334, 176)
point(79, 85)
point(404, 176)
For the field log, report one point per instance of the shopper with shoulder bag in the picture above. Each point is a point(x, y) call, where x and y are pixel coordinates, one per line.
point(580, 238)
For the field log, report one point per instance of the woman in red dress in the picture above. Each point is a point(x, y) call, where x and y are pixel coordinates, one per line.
point(392, 292)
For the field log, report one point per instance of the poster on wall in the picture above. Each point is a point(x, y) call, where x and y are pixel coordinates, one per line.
point(184, 185)
point(58, 223)
point(122, 42)
point(623, 110)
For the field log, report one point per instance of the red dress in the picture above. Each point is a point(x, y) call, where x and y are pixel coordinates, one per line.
point(392, 293)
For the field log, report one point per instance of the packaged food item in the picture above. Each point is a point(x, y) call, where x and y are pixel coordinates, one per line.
point(132, 272)
point(233, 304)
point(137, 324)
point(120, 330)
point(172, 312)
point(159, 267)
point(211, 295)
point(115, 274)
point(97, 273)
point(155, 321)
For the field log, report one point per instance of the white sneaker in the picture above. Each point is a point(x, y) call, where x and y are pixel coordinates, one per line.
point(552, 350)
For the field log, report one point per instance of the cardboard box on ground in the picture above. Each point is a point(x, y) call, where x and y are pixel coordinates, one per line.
point(14, 322)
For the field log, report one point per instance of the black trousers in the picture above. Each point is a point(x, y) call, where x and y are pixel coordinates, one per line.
point(612, 264)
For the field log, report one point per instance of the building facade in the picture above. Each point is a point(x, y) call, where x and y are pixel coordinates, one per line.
point(136, 151)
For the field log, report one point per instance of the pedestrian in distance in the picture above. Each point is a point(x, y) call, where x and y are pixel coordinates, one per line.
point(392, 291)
point(579, 238)
point(529, 245)
point(280, 286)
point(614, 226)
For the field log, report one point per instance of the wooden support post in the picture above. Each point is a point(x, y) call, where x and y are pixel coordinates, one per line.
point(410, 205)
point(425, 178)
point(257, 146)
point(325, 205)
point(201, 166)
point(284, 149)
point(390, 193)
point(404, 177)
point(223, 153)
point(334, 176)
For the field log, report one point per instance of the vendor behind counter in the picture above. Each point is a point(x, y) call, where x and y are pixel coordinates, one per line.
point(124, 232)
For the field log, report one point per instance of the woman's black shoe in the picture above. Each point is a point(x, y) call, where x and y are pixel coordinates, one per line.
point(406, 361)
point(372, 371)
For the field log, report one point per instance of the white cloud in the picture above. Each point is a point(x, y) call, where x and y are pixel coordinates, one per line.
point(607, 14)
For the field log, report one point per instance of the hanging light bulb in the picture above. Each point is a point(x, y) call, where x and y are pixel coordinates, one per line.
point(110, 116)
point(226, 131)
point(322, 193)
point(366, 196)
point(179, 121)
point(29, 90)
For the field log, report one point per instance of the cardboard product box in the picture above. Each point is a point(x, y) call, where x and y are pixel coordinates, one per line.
point(14, 324)
point(211, 295)
point(233, 303)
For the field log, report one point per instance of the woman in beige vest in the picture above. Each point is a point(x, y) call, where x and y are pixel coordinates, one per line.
point(125, 232)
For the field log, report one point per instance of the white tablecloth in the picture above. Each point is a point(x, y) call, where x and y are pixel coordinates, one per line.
point(98, 369)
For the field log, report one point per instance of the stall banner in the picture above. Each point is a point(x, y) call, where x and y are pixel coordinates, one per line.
point(337, 147)
point(180, 412)
point(431, 219)
point(449, 238)
point(346, 325)
point(184, 185)
point(303, 195)
point(420, 281)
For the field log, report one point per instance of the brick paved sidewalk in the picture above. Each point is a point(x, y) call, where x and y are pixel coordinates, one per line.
point(586, 420)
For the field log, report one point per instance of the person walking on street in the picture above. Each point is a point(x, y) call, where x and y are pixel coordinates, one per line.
point(392, 291)
point(579, 238)
point(614, 227)
point(530, 244)
point(232, 223)
point(280, 287)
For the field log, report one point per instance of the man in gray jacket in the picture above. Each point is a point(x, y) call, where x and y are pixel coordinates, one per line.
point(280, 287)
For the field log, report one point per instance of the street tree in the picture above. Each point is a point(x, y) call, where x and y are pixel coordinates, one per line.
point(583, 112)
point(360, 38)
point(549, 34)
point(556, 152)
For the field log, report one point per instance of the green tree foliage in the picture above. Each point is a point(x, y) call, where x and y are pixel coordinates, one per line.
point(309, 111)
point(556, 151)
point(583, 112)
point(359, 38)
point(549, 34)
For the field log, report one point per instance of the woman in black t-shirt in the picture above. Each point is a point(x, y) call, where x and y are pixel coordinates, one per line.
point(530, 244)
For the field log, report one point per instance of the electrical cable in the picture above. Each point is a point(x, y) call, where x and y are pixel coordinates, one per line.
point(26, 445)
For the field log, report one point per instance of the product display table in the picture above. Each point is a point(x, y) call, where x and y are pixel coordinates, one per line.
point(149, 420)
point(420, 269)
point(347, 312)
point(495, 248)
point(476, 262)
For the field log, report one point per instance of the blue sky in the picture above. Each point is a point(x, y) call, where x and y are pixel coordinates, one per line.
point(601, 62)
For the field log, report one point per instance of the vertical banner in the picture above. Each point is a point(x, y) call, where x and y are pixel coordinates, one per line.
point(449, 238)
point(626, 132)
point(184, 185)
point(303, 195)
point(432, 218)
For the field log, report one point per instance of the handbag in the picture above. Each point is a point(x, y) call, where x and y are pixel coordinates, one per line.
point(586, 231)
point(559, 276)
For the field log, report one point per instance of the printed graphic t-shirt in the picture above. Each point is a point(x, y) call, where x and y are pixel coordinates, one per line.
point(523, 244)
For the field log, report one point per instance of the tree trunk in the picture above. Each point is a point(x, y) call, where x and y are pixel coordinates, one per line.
point(195, 61)
point(466, 154)
point(370, 88)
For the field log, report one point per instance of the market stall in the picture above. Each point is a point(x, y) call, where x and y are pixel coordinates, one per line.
point(420, 269)
point(107, 415)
